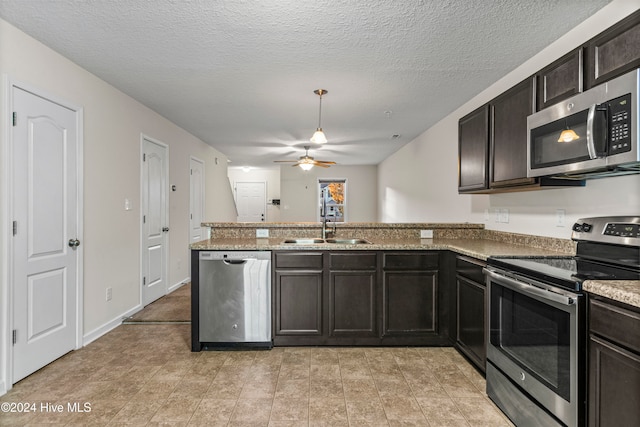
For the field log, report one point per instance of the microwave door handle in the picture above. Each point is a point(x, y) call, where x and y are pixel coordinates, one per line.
point(591, 146)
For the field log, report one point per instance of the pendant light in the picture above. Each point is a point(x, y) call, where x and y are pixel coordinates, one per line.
point(568, 135)
point(319, 137)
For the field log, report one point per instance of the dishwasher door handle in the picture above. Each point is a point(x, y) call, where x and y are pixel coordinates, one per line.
point(234, 261)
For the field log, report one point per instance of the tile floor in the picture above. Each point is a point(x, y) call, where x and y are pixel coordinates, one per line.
point(144, 374)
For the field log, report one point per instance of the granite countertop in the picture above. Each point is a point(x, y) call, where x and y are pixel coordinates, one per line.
point(625, 291)
point(476, 248)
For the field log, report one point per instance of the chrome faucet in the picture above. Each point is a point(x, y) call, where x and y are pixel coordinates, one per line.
point(323, 213)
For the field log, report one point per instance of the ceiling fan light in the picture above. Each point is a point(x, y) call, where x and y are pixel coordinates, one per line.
point(306, 166)
point(568, 135)
point(318, 137)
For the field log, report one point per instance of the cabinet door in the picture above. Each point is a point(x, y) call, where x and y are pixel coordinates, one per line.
point(614, 385)
point(352, 303)
point(298, 303)
point(473, 151)
point(470, 335)
point(560, 80)
point(508, 139)
point(614, 52)
point(410, 303)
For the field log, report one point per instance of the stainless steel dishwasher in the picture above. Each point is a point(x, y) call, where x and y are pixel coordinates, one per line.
point(235, 298)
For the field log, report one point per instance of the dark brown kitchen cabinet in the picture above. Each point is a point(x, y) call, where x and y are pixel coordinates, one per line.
point(471, 310)
point(326, 298)
point(353, 294)
point(298, 296)
point(614, 52)
point(614, 363)
point(473, 151)
point(559, 80)
point(412, 302)
point(508, 136)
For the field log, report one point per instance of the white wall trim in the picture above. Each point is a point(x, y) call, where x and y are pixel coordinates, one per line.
point(6, 287)
point(178, 285)
point(109, 326)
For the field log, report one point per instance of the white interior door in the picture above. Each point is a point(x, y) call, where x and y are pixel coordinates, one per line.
point(196, 200)
point(46, 204)
point(155, 222)
point(251, 201)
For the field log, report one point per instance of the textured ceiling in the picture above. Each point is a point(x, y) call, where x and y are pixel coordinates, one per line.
point(240, 74)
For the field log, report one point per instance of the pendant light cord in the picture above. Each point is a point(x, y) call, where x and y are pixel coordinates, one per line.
point(320, 113)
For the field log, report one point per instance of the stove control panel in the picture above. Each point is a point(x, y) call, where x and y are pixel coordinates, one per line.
point(622, 230)
point(619, 230)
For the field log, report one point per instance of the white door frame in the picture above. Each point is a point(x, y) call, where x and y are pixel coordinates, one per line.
point(7, 279)
point(165, 237)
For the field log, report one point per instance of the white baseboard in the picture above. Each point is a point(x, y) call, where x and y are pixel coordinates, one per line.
point(3, 388)
point(178, 285)
point(109, 326)
point(114, 323)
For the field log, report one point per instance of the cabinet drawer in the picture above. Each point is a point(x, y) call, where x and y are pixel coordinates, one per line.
point(615, 323)
point(470, 268)
point(353, 261)
point(299, 260)
point(411, 261)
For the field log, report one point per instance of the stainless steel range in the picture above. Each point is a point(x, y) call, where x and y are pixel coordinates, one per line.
point(536, 351)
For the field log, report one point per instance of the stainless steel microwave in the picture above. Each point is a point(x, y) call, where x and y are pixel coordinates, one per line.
point(591, 135)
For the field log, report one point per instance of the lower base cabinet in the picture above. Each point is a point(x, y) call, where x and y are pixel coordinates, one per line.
point(471, 300)
point(358, 298)
point(614, 364)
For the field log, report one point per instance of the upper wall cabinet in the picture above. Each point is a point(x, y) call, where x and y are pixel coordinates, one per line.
point(613, 52)
point(560, 80)
point(508, 157)
point(473, 151)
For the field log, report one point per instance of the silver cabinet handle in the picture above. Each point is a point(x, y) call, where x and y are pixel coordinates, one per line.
point(74, 243)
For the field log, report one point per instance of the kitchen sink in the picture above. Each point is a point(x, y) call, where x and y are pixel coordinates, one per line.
point(304, 241)
point(309, 241)
point(349, 241)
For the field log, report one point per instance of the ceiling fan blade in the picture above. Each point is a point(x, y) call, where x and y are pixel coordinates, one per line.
point(285, 161)
point(321, 165)
point(326, 162)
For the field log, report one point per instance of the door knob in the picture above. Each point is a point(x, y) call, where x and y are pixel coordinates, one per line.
point(74, 243)
point(165, 229)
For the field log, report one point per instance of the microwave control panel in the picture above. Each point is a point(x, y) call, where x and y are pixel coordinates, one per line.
point(620, 124)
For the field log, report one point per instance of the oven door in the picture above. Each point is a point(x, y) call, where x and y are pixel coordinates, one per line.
point(534, 340)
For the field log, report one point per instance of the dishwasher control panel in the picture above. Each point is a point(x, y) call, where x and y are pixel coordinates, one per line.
point(233, 255)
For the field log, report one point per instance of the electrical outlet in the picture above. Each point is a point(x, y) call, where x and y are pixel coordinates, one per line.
point(426, 234)
point(109, 294)
point(262, 232)
point(127, 205)
point(502, 216)
point(560, 221)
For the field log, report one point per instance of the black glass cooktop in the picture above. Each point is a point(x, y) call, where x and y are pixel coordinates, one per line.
point(565, 272)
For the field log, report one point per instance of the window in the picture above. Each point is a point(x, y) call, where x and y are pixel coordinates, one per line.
point(332, 194)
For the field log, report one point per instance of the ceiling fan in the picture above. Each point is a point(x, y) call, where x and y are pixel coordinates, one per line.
point(306, 162)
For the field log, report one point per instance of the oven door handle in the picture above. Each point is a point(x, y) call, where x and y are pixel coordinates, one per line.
point(529, 289)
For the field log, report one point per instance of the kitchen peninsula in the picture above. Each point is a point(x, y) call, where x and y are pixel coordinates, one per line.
point(391, 288)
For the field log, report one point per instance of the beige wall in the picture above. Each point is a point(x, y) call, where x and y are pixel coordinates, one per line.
point(113, 124)
point(419, 182)
point(299, 192)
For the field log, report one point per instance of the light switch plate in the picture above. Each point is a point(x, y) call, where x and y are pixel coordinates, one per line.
point(262, 232)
